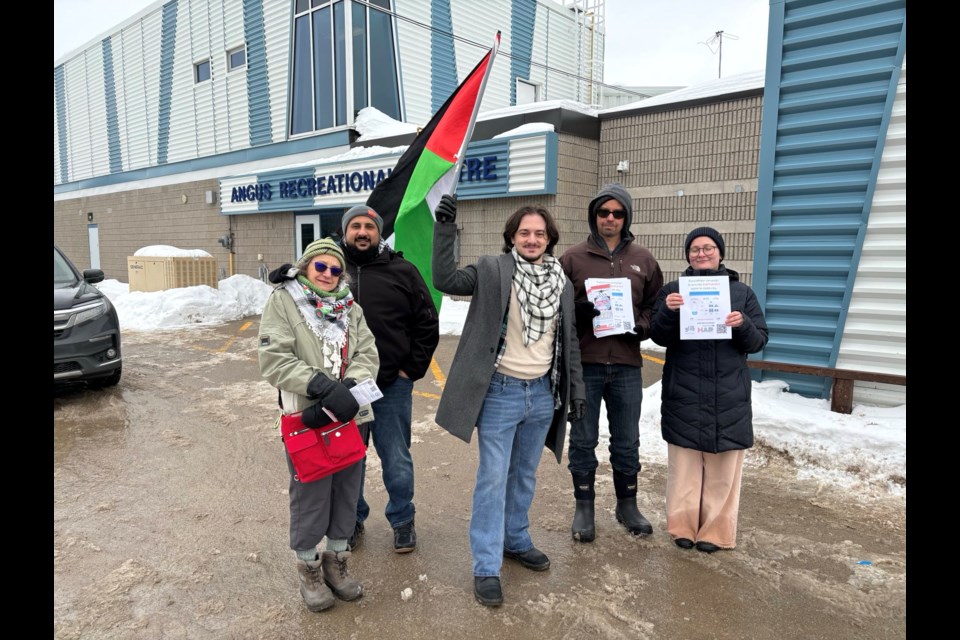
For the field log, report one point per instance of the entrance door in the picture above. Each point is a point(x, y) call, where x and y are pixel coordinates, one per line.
point(93, 239)
point(308, 230)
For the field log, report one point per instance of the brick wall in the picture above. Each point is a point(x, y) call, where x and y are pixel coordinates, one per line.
point(129, 220)
point(689, 167)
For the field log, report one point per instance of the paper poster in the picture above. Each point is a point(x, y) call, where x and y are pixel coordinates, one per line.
point(706, 305)
point(613, 299)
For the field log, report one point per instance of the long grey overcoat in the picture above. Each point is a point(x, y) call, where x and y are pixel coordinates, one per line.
point(488, 282)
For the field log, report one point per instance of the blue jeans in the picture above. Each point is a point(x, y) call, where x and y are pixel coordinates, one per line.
point(511, 432)
point(391, 438)
point(621, 389)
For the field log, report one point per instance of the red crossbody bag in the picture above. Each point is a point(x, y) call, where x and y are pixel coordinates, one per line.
point(320, 452)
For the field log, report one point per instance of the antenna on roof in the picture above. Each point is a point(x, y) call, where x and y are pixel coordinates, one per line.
point(717, 39)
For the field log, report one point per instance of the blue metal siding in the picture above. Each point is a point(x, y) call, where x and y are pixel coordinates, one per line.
point(832, 68)
point(167, 47)
point(443, 60)
point(469, 189)
point(60, 97)
point(110, 101)
point(523, 17)
point(258, 82)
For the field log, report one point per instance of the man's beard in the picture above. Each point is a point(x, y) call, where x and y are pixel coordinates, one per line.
point(364, 256)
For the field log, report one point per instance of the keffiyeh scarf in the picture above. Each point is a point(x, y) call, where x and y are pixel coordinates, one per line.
point(327, 313)
point(538, 289)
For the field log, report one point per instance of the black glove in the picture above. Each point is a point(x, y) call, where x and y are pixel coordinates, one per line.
point(284, 273)
point(332, 395)
point(349, 383)
point(585, 313)
point(446, 210)
point(577, 409)
point(637, 335)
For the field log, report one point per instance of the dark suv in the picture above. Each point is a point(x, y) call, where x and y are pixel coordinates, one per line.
point(86, 332)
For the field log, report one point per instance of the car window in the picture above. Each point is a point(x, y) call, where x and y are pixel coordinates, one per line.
point(63, 274)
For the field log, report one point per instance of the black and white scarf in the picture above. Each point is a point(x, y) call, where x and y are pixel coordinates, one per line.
point(538, 289)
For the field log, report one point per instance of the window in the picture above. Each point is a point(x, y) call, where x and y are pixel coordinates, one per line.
point(527, 92)
point(201, 71)
point(236, 58)
point(342, 62)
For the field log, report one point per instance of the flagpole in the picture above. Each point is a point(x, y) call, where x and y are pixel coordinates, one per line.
point(461, 155)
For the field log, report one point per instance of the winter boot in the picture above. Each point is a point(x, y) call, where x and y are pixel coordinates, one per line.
point(627, 512)
point(583, 528)
point(315, 593)
point(337, 577)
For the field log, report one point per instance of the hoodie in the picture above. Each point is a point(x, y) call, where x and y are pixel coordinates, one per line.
point(592, 259)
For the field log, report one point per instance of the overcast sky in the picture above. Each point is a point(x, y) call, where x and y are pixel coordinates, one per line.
point(649, 42)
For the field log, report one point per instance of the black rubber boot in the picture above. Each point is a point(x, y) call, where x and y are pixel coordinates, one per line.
point(583, 528)
point(627, 512)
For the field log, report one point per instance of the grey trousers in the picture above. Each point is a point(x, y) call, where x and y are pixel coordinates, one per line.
point(323, 508)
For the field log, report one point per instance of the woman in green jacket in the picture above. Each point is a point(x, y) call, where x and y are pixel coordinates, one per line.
point(314, 346)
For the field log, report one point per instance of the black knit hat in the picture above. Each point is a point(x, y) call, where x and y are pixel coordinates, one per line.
point(709, 232)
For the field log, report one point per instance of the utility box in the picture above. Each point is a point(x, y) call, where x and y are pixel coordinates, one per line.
point(146, 273)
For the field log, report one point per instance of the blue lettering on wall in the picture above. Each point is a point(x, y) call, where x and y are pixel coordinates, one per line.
point(356, 181)
point(473, 169)
point(489, 168)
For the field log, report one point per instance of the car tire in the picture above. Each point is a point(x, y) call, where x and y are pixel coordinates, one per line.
point(106, 381)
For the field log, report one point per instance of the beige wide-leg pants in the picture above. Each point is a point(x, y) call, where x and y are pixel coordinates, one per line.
point(703, 495)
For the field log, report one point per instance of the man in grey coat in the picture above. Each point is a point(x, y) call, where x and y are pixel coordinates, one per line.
point(516, 371)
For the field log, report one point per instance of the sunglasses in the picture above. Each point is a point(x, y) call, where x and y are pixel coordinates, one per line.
point(618, 214)
point(323, 266)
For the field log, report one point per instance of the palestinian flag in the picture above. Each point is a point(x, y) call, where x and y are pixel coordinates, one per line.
point(429, 168)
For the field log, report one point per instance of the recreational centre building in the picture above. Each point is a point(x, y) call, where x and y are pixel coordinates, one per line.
point(236, 127)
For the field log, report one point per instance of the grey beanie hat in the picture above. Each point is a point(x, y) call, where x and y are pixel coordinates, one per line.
point(708, 232)
point(361, 210)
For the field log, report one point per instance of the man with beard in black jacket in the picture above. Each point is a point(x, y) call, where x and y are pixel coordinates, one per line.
point(405, 324)
point(401, 314)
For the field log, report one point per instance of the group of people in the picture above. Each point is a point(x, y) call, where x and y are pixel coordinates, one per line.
point(527, 363)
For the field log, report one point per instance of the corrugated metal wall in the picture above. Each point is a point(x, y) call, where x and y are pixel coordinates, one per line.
point(413, 42)
point(130, 101)
point(875, 334)
point(831, 79)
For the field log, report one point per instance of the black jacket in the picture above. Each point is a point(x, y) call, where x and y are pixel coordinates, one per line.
point(705, 399)
point(399, 310)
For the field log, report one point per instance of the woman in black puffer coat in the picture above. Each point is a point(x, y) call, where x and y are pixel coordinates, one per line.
point(706, 416)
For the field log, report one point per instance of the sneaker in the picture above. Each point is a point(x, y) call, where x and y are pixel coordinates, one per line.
point(532, 559)
point(405, 538)
point(487, 591)
point(354, 541)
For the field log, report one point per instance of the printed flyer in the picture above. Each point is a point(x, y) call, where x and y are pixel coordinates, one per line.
point(613, 299)
point(706, 305)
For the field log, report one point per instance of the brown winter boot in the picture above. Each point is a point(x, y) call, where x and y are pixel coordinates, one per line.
point(337, 577)
point(316, 594)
